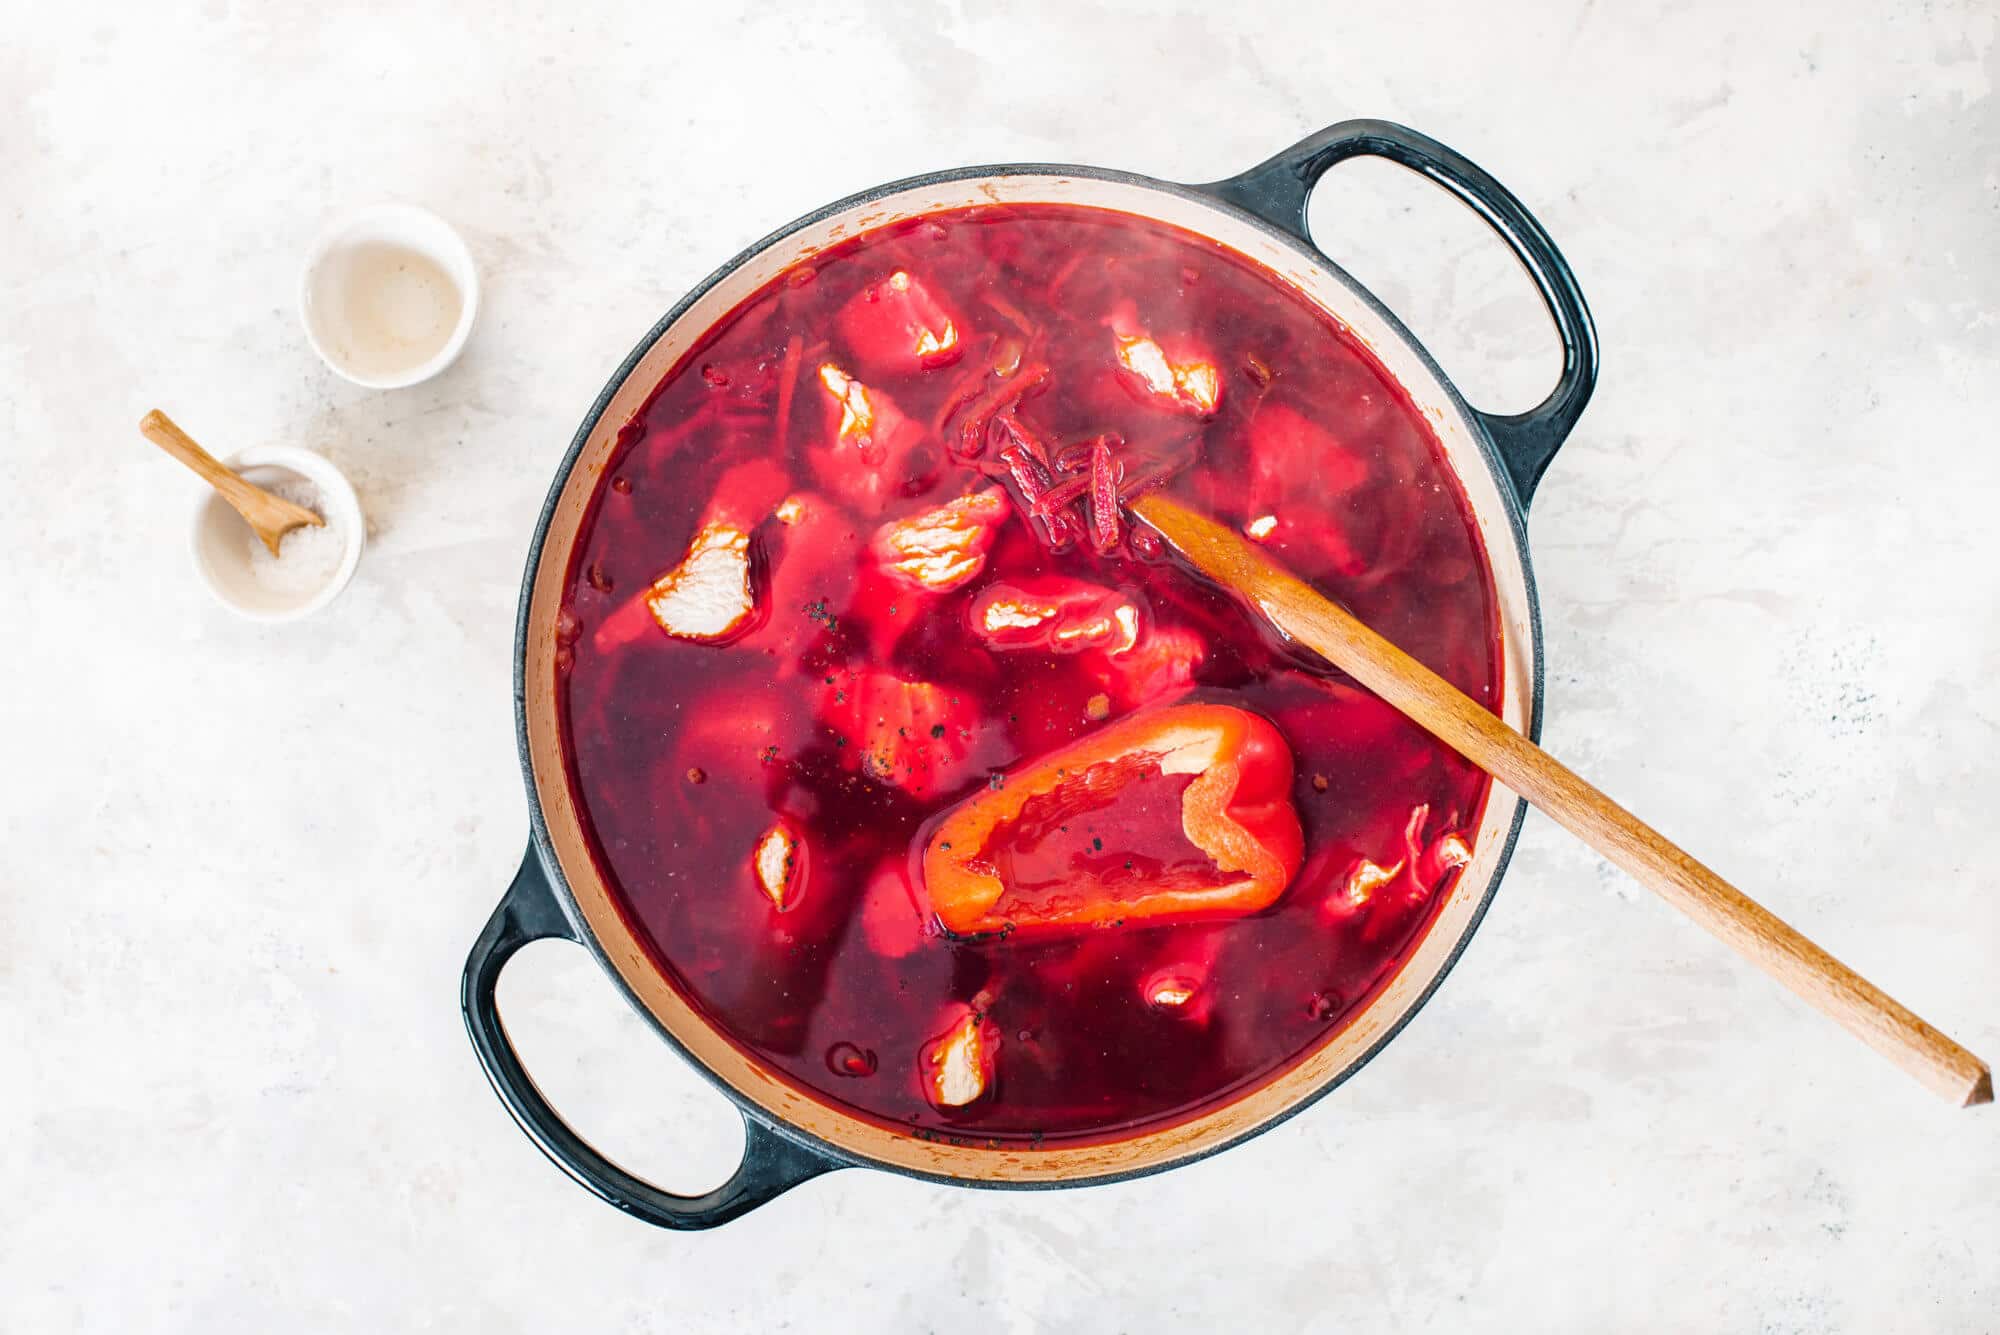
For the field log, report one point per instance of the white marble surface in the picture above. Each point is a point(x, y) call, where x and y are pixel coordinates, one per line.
point(239, 867)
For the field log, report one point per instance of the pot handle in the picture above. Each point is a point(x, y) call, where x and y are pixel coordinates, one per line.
point(1277, 191)
point(771, 1163)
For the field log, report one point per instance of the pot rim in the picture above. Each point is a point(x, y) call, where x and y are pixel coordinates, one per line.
point(1301, 247)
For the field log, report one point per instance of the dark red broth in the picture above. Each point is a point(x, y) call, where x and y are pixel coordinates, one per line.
point(853, 708)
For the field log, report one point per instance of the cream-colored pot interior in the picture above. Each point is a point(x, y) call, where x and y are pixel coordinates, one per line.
point(1342, 1051)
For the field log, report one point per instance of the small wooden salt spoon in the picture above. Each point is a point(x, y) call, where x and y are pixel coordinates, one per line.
point(271, 517)
point(1475, 733)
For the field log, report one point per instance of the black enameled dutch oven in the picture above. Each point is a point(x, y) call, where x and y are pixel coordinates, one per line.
point(559, 892)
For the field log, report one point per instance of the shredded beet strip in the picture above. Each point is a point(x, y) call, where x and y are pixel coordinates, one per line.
point(1079, 457)
point(1021, 434)
point(1143, 481)
point(795, 348)
point(1029, 475)
point(965, 391)
point(659, 441)
point(1073, 458)
point(1012, 312)
point(1059, 496)
point(966, 388)
point(1034, 481)
point(1062, 274)
point(1103, 496)
point(972, 431)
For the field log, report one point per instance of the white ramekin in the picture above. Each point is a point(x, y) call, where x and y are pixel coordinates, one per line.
point(220, 539)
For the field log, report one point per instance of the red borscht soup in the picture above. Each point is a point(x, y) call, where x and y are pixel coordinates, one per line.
point(928, 776)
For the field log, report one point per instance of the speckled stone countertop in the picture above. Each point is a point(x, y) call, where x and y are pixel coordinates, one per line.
point(240, 866)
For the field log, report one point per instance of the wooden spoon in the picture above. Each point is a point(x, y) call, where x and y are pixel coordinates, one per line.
point(1475, 733)
point(272, 517)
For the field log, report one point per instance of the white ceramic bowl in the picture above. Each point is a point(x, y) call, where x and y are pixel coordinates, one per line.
point(221, 540)
point(378, 294)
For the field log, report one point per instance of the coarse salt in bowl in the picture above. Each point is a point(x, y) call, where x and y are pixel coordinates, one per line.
point(313, 563)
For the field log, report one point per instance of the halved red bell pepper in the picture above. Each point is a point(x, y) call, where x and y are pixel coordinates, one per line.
point(1182, 812)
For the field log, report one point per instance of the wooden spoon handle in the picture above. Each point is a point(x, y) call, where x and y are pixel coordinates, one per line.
point(270, 516)
point(162, 430)
point(1475, 733)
